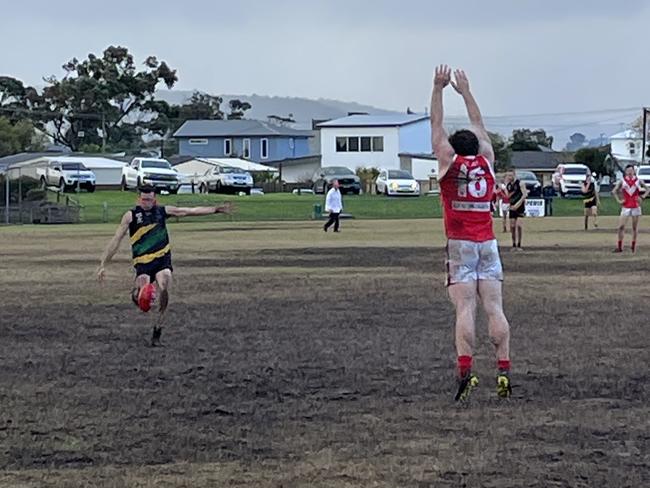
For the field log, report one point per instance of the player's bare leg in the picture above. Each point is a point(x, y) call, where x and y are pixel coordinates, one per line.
point(520, 233)
point(594, 214)
point(513, 232)
point(499, 330)
point(587, 211)
point(635, 231)
point(164, 281)
point(622, 223)
point(463, 297)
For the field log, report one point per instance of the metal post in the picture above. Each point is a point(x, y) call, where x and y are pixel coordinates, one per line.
point(7, 188)
point(20, 196)
point(645, 132)
point(103, 132)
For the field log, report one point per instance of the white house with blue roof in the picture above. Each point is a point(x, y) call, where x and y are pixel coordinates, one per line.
point(364, 141)
point(253, 140)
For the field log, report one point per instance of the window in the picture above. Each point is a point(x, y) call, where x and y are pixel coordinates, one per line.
point(201, 142)
point(247, 148)
point(264, 148)
point(365, 144)
point(353, 144)
point(378, 144)
point(341, 144)
point(227, 147)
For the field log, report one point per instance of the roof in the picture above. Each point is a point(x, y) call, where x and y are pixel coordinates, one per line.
point(25, 157)
point(396, 120)
point(313, 159)
point(627, 134)
point(233, 162)
point(233, 128)
point(540, 160)
point(91, 162)
point(430, 156)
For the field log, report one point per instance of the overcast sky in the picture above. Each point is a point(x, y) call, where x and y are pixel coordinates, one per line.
point(522, 56)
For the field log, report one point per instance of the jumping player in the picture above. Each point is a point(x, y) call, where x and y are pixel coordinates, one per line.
point(517, 193)
point(474, 269)
point(152, 259)
point(629, 192)
point(591, 200)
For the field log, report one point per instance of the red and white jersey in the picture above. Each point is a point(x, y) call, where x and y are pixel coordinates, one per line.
point(631, 190)
point(501, 193)
point(467, 189)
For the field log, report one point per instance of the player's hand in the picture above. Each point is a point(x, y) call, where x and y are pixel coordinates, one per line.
point(460, 83)
point(227, 208)
point(442, 76)
point(101, 274)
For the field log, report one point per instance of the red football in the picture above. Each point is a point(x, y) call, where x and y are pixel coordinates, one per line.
point(146, 297)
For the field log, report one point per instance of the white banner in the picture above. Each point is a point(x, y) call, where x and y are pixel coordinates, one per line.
point(535, 207)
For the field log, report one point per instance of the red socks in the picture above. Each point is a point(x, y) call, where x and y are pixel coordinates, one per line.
point(620, 245)
point(464, 365)
point(633, 246)
point(503, 365)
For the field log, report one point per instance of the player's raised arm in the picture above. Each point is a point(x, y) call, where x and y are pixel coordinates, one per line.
point(114, 245)
point(226, 208)
point(439, 137)
point(461, 85)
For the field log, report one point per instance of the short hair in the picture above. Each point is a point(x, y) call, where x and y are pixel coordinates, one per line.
point(146, 189)
point(464, 142)
point(629, 166)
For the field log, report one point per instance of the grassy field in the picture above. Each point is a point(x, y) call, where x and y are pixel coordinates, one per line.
point(283, 206)
point(296, 358)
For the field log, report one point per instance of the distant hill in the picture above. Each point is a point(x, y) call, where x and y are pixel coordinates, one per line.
point(303, 109)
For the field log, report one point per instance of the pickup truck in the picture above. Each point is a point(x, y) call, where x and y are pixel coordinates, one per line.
point(222, 179)
point(149, 171)
point(66, 176)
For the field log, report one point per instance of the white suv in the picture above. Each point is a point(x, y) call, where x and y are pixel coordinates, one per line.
point(149, 171)
point(568, 179)
point(643, 173)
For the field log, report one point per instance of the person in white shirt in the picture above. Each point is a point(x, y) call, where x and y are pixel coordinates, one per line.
point(333, 205)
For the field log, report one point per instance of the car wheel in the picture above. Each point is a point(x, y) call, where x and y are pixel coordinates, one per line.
point(62, 186)
point(138, 183)
point(377, 190)
point(173, 192)
point(247, 191)
point(386, 190)
point(356, 192)
point(43, 184)
point(91, 189)
point(123, 185)
point(218, 188)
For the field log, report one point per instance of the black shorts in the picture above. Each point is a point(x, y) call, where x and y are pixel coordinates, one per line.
point(154, 267)
point(591, 204)
point(517, 213)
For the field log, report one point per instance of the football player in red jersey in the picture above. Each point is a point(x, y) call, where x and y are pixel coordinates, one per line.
point(474, 269)
point(629, 192)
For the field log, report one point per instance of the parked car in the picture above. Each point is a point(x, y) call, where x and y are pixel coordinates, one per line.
point(348, 181)
point(222, 179)
point(66, 176)
point(533, 185)
point(643, 173)
point(393, 182)
point(568, 179)
point(150, 171)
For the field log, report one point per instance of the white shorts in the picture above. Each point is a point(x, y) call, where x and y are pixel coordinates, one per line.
point(631, 212)
point(472, 261)
point(505, 208)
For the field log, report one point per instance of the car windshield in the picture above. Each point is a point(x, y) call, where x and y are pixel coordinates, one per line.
point(526, 175)
point(399, 175)
point(149, 163)
point(644, 171)
point(73, 167)
point(575, 171)
point(337, 170)
point(231, 170)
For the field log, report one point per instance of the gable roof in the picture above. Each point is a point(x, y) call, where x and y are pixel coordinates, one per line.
point(540, 160)
point(396, 120)
point(234, 128)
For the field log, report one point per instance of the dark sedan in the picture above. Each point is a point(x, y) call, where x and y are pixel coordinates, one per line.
point(533, 185)
point(348, 181)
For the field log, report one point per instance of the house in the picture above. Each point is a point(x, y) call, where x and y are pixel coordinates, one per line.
point(298, 170)
point(364, 141)
point(253, 140)
point(542, 163)
point(626, 147)
point(422, 166)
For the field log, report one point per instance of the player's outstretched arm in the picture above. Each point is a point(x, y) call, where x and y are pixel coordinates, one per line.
point(226, 208)
point(645, 188)
point(439, 137)
point(114, 245)
point(461, 85)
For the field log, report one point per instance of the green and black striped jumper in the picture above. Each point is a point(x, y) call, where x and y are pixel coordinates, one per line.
point(149, 240)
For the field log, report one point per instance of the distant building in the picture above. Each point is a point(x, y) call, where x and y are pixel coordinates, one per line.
point(626, 147)
point(364, 141)
point(542, 163)
point(252, 140)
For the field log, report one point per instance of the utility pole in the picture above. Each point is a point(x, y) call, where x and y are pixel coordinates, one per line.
point(645, 134)
point(103, 132)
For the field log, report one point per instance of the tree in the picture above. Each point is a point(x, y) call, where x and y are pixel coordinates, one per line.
point(502, 152)
point(237, 109)
point(98, 96)
point(367, 177)
point(530, 140)
point(576, 141)
point(596, 159)
point(18, 137)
